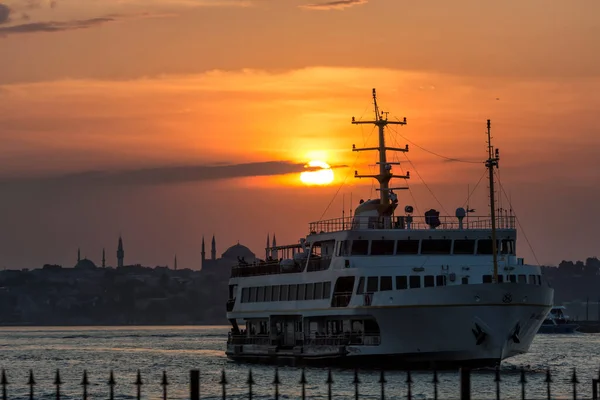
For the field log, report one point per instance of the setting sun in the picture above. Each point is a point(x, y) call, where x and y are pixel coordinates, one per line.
point(316, 176)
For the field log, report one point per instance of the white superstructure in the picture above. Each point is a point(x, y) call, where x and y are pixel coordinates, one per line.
point(383, 288)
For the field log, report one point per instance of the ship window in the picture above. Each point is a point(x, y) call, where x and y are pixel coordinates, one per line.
point(372, 284)
point(292, 292)
point(283, 293)
point(360, 289)
point(408, 247)
point(539, 279)
point(318, 290)
point(301, 291)
point(500, 278)
point(309, 291)
point(268, 291)
point(386, 283)
point(428, 281)
point(401, 282)
point(415, 281)
point(465, 280)
point(360, 247)
point(327, 290)
point(484, 246)
point(382, 247)
point(436, 246)
point(440, 280)
point(245, 295)
point(512, 278)
point(252, 294)
point(260, 294)
point(275, 295)
point(464, 246)
point(487, 279)
point(508, 246)
point(522, 278)
point(345, 248)
point(532, 279)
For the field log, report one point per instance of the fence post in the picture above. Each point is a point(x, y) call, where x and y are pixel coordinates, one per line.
point(465, 384)
point(195, 384)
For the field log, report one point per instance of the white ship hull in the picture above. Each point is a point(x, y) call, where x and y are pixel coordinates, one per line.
point(433, 328)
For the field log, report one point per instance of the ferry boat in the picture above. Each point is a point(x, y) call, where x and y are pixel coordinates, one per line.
point(389, 290)
point(558, 322)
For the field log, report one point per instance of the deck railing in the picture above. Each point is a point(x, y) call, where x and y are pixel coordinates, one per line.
point(402, 222)
point(55, 387)
point(263, 268)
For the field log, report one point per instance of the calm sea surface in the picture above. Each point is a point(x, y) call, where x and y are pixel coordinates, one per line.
point(179, 349)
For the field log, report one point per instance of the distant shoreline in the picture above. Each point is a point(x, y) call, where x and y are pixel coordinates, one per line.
point(4, 325)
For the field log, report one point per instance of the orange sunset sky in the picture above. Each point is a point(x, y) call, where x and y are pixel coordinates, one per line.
point(166, 120)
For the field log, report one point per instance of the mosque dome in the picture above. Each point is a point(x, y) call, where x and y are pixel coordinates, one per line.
point(240, 251)
point(85, 263)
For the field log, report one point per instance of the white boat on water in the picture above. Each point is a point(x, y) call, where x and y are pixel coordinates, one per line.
point(558, 322)
point(389, 289)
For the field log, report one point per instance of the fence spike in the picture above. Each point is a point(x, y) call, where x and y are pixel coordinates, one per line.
point(409, 382)
point(435, 385)
point(195, 384)
point(548, 383)
point(31, 383)
point(164, 383)
point(523, 381)
point(138, 383)
point(303, 383)
point(382, 382)
point(250, 383)
point(223, 383)
point(356, 381)
point(497, 380)
point(276, 383)
point(574, 381)
point(85, 382)
point(111, 385)
point(57, 382)
point(329, 383)
point(4, 382)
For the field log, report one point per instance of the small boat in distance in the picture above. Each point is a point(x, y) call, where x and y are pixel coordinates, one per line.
point(386, 288)
point(558, 322)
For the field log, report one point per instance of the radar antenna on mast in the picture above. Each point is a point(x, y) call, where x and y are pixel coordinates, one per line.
point(385, 170)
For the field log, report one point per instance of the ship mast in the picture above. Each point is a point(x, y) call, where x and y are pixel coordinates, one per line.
point(385, 167)
point(491, 162)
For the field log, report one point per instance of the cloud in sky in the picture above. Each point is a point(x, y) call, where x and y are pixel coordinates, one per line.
point(4, 13)
point(165, 175)
point(334, 5)
point(59, 26)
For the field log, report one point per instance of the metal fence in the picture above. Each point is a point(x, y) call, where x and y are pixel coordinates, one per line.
point(463, 390)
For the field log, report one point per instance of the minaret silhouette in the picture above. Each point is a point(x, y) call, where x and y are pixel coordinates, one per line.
point(267, 249)
point(175, 263)
point(275, 253)
point(103, 259)
point(120, 253)
point(203, 253)
point(78, 255)
point(213, 249)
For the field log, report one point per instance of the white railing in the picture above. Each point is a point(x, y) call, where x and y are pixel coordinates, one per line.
point(409, 223)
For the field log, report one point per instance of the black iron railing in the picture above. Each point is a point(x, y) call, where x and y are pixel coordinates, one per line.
point(463, 391)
